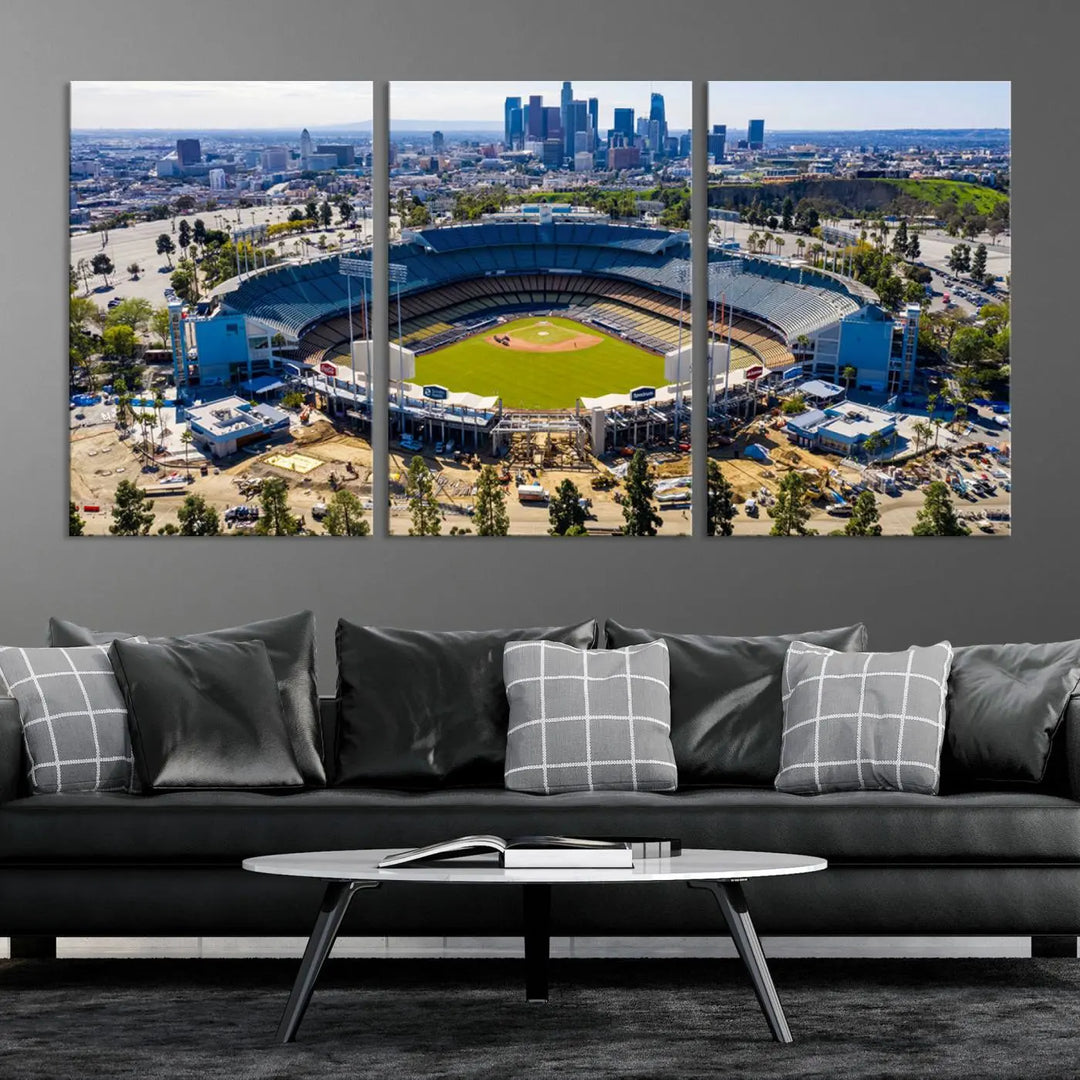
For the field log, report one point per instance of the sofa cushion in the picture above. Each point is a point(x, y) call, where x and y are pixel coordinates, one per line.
point(205, 714)
point(1005, 705)
point(726, 709)
point(863, 721)
point(423, 709)
point(226, 826)
point(74, 720)
point(290, 643)
point(588, 719)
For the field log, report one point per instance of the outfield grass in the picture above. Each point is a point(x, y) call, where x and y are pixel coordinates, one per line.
point(540, 380)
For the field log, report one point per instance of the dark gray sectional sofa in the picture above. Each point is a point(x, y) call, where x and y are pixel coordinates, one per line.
point(970, 862)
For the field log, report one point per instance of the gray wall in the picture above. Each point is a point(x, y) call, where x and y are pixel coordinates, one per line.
point(905, 589)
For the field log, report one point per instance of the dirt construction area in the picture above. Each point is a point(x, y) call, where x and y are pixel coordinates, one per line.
point(330, 460)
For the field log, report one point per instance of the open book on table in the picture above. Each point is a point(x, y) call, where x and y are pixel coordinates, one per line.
point(524, 852)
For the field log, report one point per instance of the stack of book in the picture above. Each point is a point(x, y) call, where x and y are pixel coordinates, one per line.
point(542, 852)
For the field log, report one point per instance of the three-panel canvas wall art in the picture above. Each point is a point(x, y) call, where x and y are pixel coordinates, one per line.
point(541, 319)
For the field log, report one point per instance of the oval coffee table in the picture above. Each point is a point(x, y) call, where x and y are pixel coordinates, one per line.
point(718, 872)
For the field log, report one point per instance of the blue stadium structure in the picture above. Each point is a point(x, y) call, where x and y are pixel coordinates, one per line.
point(629, 280)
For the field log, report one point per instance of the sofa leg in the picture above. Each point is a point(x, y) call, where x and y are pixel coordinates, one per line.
point(1053, 946)
point(37, 947)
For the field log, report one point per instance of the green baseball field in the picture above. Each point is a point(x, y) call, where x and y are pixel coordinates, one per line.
point(541, 362)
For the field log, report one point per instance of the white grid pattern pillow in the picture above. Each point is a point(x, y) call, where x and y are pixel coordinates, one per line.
point(74, 719)
point(863, 721)
point(588, 719)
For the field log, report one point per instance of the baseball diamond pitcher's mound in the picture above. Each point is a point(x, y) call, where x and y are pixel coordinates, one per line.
point(513, 341)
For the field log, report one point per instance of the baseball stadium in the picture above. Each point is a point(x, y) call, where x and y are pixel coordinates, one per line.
point(558, 326)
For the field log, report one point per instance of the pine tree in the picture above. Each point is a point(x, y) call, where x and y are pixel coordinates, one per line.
point(489, 510)
point(198, 518)
point(938, 515)
point(641, 518)
point(566, 513)
point(864, 520)
point(132, 511)
point(900, 238)
point(791, 512)
point(275, 519)
point(76, 524)
point(978, 263)
point(420, 491)
point(721, 504)
point(913, 249)
point(345, 515)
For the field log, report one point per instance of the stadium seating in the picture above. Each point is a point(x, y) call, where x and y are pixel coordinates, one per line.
point(639, 276)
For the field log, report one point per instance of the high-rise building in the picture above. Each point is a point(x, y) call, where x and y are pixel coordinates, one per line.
point(438, 141)
point(755, 134)
point(306, 149)
point(346, 154)
point(686, 143)
point(566, 118)
point(576, 119)
point(718, 142)
point(534, 124)
point(553, 152)
point(624, 122)
point(552, 128)
point(216, 177)
point(188, 152)
point(623, 157)
point(594, 118)
point(658, 114)
point(517, 129)
point(274, 159)
point(509, 106)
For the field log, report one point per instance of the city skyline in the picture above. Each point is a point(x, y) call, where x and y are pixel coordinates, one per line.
point(860, 106)
point(483, 102)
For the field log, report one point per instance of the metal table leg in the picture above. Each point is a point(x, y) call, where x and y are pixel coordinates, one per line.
point(732, 903)
point(334, 905)
point(537, 917)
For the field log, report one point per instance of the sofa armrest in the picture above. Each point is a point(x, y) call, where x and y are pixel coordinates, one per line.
point(1072, 744)
point(11, 750)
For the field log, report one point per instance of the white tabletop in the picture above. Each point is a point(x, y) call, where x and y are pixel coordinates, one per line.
point(694, 864)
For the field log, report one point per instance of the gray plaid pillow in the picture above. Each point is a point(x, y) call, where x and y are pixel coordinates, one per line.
point(74, 719)
point(863, 721)
point(588, 719)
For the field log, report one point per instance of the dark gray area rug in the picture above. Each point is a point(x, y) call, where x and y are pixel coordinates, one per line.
point(399, 1019)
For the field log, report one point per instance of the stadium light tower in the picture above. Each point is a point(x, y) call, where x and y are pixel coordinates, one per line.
point(355, 267)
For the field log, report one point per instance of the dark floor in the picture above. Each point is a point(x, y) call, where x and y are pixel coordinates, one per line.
point(399, 1019)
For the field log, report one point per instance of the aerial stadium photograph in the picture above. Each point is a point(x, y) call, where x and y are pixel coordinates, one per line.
point(859, 299)
point(540, 333)
point(217, 229)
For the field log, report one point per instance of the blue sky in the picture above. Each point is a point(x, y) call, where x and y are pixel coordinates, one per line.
point(207, 105)
point(824, 106)
point(315, 104)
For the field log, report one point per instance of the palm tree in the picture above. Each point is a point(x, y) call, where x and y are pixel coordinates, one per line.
point(779, 242)
point(767, 240)
point(187, 439)
point(752, 241)
point(800, 246)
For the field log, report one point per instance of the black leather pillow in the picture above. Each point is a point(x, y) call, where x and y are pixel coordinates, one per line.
point(726, 705)
point(421, 709)
point(290, 643)
point(205, 714)
point(1005, 705)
